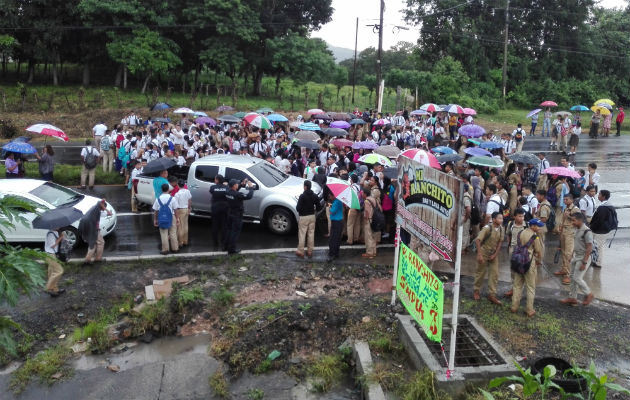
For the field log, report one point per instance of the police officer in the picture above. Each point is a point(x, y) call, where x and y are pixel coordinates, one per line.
point(235, 211)
point(219, 211)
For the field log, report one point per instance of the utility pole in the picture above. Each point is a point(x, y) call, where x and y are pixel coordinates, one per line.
point(354, 66)
point(505, 48)
point(379, 70)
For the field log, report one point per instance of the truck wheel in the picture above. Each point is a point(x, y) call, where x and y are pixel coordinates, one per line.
point(280, 221)
point(72, 236)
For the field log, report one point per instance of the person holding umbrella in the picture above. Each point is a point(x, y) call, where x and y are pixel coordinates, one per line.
point(91, 232)
point(546, 123)
point(336, 227)
point(597, 116)
point(54, 237)
point(46, 163)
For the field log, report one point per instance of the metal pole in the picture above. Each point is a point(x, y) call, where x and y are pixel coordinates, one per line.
point(458, 269)
point(396, 254)
point(379, 71)
point(505, 48)
point(354, 66)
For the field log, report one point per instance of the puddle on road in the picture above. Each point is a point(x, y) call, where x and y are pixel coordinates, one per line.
point(141, 354)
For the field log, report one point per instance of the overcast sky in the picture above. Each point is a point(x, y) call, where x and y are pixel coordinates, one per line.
point(340, 31)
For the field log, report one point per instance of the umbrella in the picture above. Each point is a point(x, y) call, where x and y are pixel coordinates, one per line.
point(548, 103)
point(340, 125)
point(491, 145)
point(48, 130)
point(430, 107)
point(579, 108)
point(471, 131)
point(57, 218)
point(224, 108)
point(422, 156)
point(444, 158)
point(391, 172)
point(343, 191)
point(19, 147)
point(277, 118)
point(307, 135)
point(454, 109)
point(229, 118)
point(341, 143)
point(315, 111)
point(443, 150)
point(388, 151)
point(160, 106)
point(477, 152)
point(309, 126)
point(357, 121)
point(335, 132)
point(524, 158)
point(364, 145)
point(339, 116)
point(475, 142)
point(563, 113)
point(161, 119)
point(606, 101)
point(381, 122)
point(206, 121)
point(602, 110)
point(561, 171)
point(486, 162)
point(258, 120)
point(264, 110)
point(183, 110)
point(470, 111)
point(200, 114)
point(374, 158)
point(308, 144)
point(605, 105)
point(240, 114)
point(158, 165)
point(533, 112)
point(419, 112)
point(323, 116)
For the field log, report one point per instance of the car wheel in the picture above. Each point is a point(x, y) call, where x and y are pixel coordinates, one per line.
point(280, 221)
point(72, 236)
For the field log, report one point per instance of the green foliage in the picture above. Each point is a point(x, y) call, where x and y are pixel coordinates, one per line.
point(184, 296)
point(70, 175)
point(223, 297)
point(422, 387)
point(264, 366)
point(327, 371)
point(42, 367)
point(301, 58)
point(597, 386)
point(219, 384)
point(255, 394)
point(97, 332)
point(532, 384)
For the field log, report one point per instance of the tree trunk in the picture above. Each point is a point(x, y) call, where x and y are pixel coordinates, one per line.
point(184, 83)
point(197, 72)
point(4, 66)
point(54, 74)
point(31, 71)
point(258, 83)
point(146, 83)
point(235, 94)
point(85, 81)
point(17, 70)
point(277, 84)
point(398, 94)
point(118, 77)
point(124, 77)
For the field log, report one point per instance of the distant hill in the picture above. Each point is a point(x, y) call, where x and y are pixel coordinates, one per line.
point(341, 53)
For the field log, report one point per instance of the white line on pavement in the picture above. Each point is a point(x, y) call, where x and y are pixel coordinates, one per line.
point(131, 214)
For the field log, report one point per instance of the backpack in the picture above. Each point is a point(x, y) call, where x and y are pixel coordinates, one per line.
point(378, 219)
point(520, 261)
point(165, 216)
point(475, 215)
point(551, 195)
point(518, 137)
point(604, 221)
point(63, 249)
point(105, 143)
point(503, 208)
point(551, 220)
point(91, 159)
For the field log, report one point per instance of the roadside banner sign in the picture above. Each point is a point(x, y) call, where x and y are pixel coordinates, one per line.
point(421, 292)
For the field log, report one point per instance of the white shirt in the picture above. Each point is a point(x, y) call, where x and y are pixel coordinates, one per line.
point(49, 245)
point(89, 150)
point(285, 166)
point(178, 137)
point(99, 129)
point(468, 120)
point(164, 197)
point(587, 205)
point(493, 207)
point(532, 201)
point(509, 146)
point(181, 161)
point(596, 177)
point(135, 172)
point(183, 196)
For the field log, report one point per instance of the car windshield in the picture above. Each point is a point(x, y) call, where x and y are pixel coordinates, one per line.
point(267, 174)
point(56, 195)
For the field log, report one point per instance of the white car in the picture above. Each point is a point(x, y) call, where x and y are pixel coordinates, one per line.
point(45, 196)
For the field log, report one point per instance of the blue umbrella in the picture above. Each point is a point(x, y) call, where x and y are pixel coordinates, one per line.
point(277, 118)
point(443, 150)
point(579, 108)
point(357, 121)
point(477, 152)
point(309, 126)
point(471, 131)
point(200, 114)
point(490, 145)
point(19, 147)
point(160, 106)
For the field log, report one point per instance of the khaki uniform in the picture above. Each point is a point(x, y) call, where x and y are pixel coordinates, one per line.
point(54, 273)
point(567, 236)
point(528, 279)
point(489, 239)
point(503, 194)
point(558, 210)
point(544, 211)
point(354, 225)
point(370, 238)
point(512, 231)
point(182, 229)
point(514, 180)
point(583, 236)
point(466, 202)
point(306, 228)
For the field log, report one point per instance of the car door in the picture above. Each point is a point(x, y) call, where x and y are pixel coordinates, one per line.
point(199, 185)
point(24, 232)
point(252, 206)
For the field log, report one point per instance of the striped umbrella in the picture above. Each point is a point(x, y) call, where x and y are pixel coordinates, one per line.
point(422, 156)
point(48, 130)
point(257, 120)
point(454, 109)
point(430, 107)
point(343, 191)
point(381, 122)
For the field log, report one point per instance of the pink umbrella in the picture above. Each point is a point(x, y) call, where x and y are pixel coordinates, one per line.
point(340, 125)
point(548, 103)
point(423, 157)
point(561, 171)
point(381, 122)
point(48, 130)
point(315, 111)
point(341, 143)
point(469, 111)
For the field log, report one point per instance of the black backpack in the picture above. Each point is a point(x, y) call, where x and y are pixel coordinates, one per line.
point(604, 220)
point(378, 219)
point(475, 215)
point(91, 159)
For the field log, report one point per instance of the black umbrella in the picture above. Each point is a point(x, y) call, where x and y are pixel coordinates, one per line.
point(524, 158)
point(444, 158)
point(229, 118)
point(357, 121)
point(391, 172)
point(335, 132)
point(57, 218)
point(160, 106)
point(160, 119)
point(309, 144)
point(159, 165)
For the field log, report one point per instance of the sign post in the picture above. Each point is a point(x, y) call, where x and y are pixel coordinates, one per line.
point(458, 270)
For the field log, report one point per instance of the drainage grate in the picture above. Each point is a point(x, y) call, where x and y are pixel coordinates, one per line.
point(472, 349)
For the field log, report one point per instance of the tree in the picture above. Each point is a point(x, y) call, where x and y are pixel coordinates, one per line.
point(7, 46)
point(20, 269)
point(340, 78)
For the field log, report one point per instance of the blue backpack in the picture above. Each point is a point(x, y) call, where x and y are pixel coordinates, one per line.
point(165, 216)
point(520, 261)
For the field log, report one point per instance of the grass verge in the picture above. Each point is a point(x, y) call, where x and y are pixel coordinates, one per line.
point(47, 367)
point(219, 384)
point(70, 175)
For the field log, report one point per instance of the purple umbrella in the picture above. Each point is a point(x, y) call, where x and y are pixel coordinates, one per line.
point(206, 121)
point(477, 152)
point(365, 145)
point(340, 125)
point(533, 112)
point(471, 131)
point(224, 108)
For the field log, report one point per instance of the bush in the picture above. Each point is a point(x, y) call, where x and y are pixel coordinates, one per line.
point(7, 129)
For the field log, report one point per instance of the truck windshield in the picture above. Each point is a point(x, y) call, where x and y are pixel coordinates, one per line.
point(267, 174)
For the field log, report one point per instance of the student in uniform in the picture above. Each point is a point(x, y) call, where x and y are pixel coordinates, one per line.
point(535, 251)
point(488, 245)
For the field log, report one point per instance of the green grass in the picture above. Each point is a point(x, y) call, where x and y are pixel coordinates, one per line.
point(96, 331)
point(255, 394)
point(387, 376)
point(264, 367)
point(184, 296)
point(223, 297)
point(327, 371)
point(422, 387)
point(219, 384)
point(70, 175)
point(42, 367)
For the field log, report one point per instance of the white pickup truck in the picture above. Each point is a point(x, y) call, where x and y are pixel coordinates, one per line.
point(275, 193)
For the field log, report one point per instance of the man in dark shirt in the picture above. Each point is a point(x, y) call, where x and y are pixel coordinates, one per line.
point(218, 211)
point(307, 204)
point(235, 211)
